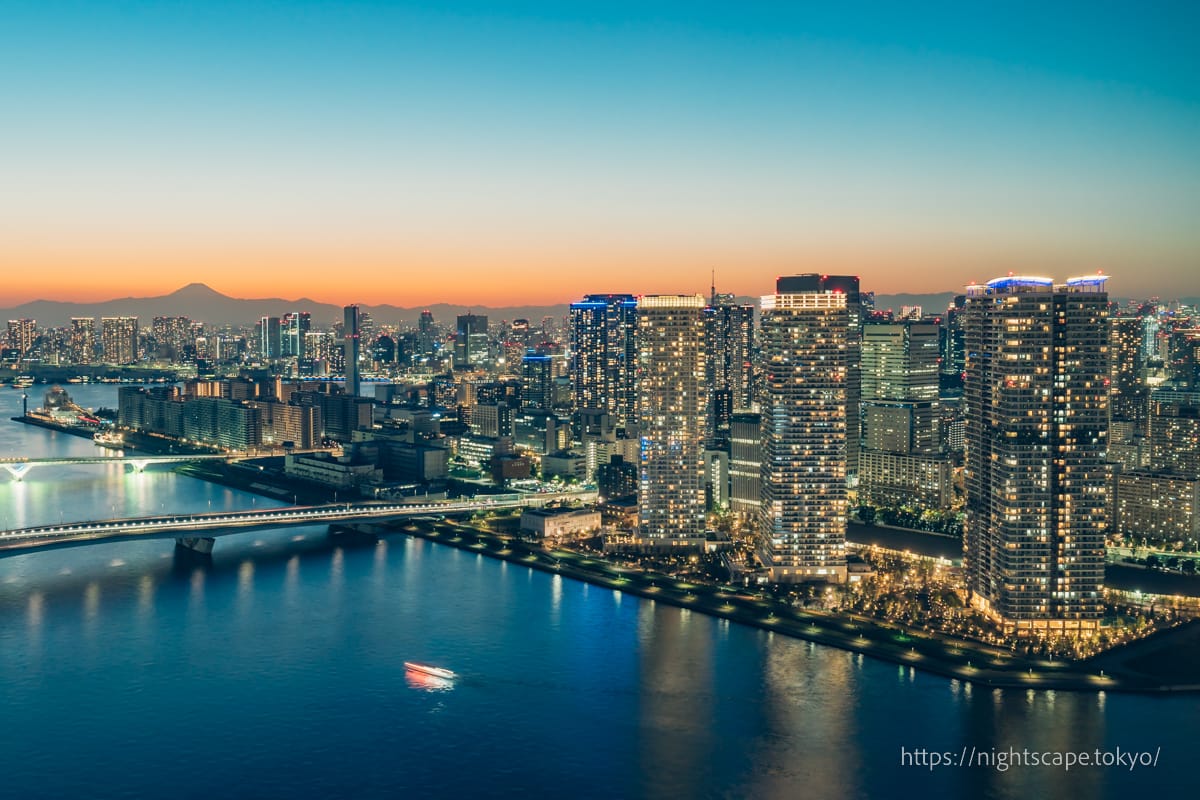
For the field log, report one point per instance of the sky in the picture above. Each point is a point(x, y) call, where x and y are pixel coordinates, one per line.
point(497, 153)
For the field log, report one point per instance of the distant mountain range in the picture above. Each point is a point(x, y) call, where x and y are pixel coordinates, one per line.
point(200, 302)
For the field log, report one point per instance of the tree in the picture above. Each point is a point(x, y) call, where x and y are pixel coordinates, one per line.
point(866, 514)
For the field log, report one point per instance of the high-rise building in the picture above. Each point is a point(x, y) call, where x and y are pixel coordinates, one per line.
point(745, 463)
point(806, 330)
point(21, 333)
point(537, 382)
point(427, 335)
point(82, 341)
point(603, 355)
point(119, 339)
point(730, 338)
point(1175, 430)
point(1126, 364)
point(671, 412)
point(471, 341)
point(269, 343)
point(952, 341)
point(900, 442)
point(1037, 422)
point(351, 336)
point(293, 329)
point(172, 337)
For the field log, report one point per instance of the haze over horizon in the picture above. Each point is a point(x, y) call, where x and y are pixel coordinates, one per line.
point(526, 153)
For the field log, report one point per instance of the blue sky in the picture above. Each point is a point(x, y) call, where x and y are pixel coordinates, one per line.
point(920, 147)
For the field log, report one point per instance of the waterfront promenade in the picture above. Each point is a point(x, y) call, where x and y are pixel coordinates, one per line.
point(965, 660)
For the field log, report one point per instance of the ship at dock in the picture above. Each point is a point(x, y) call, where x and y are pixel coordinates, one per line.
point(111, 439)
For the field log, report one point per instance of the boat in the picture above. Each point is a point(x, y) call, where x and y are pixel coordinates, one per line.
point(110, 439)
point(436, 672)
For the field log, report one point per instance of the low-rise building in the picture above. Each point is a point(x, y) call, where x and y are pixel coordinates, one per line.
point(564, 465)
point(556, 525)
point(337, 472)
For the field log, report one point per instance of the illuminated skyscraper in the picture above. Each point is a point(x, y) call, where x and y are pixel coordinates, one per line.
point(82, 342)
point(292, 330)
point(730, 337)
point(351, 336)
point(847, 285)
point(952, 342)
point(1126, 361)
point(269, 344)
point(1037, 422)
point(172, 337)
point(21, 333)
point(471, 341)
point(119, 339)
point(537, 382)
point(603, 352)
point(427, 334)
point(900, 456)
point(806, 328)
point(671, 412)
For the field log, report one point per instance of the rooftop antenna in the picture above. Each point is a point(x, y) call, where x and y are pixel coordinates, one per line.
point(713, 301)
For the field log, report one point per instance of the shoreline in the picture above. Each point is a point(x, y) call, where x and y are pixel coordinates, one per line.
point(933, 653)
point(918, 650)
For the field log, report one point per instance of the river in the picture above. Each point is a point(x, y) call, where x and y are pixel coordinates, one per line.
point(277, 672)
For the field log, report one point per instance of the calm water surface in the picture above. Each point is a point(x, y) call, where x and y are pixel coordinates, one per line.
point(277, 673)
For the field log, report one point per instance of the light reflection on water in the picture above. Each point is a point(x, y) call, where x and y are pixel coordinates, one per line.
point(282, 662)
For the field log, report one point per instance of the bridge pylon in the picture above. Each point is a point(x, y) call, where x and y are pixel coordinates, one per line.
point(199, 545)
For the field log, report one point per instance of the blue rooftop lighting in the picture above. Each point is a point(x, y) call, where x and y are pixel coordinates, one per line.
point(1014, 281)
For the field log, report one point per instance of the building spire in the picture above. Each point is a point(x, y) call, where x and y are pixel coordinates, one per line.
point(713, 301)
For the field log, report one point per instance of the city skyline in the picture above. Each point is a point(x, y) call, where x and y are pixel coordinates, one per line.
point(403, 153)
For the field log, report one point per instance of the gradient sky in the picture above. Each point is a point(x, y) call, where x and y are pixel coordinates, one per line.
point(495, 153)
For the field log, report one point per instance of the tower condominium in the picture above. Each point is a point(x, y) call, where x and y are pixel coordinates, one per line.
point(672, 402)
point(806, 328)
point(1036, 434)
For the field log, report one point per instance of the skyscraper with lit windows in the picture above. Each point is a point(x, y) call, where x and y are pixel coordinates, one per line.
point(730, 337)
point(805, 338)
point(119, 339)
point(1036, 399)
point(604, 355)
point(671, 406)
point(82, 340)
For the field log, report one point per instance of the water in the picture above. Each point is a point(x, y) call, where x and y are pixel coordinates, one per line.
point(277, 673)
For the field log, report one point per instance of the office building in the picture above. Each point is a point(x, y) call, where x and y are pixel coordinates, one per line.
point(537, 382)
point(730, 339)
point(351, 344)
point(745, 464)
point(471, 341)
point(1036, 399)
point(293, 332)
point(901, 455)
point(604, 355)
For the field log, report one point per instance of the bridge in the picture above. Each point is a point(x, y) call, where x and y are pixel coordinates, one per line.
point(17, 466)
point(197, 531)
